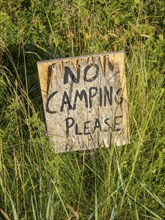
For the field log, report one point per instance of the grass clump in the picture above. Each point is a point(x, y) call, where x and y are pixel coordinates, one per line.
point(116, 183)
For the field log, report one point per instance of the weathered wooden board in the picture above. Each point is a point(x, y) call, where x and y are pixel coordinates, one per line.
point(85, 101)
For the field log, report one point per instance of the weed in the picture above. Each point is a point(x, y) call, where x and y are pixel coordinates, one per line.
point(115, 183)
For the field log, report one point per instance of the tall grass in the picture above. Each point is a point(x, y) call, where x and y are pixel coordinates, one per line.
point(116, 183)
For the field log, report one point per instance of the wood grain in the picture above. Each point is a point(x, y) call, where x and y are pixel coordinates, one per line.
point(93, 102)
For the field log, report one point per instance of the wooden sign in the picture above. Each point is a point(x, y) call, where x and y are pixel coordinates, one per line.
point(85, 101)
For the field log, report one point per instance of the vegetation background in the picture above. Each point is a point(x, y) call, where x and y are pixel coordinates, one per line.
point(116, 183)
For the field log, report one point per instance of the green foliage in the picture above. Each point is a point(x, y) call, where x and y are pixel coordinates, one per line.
point(116, 183)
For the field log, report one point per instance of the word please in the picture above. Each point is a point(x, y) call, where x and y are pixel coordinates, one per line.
point(102, 125)
point(105, 96)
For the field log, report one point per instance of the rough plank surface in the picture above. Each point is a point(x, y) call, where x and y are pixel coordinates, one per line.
point(85, 101)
